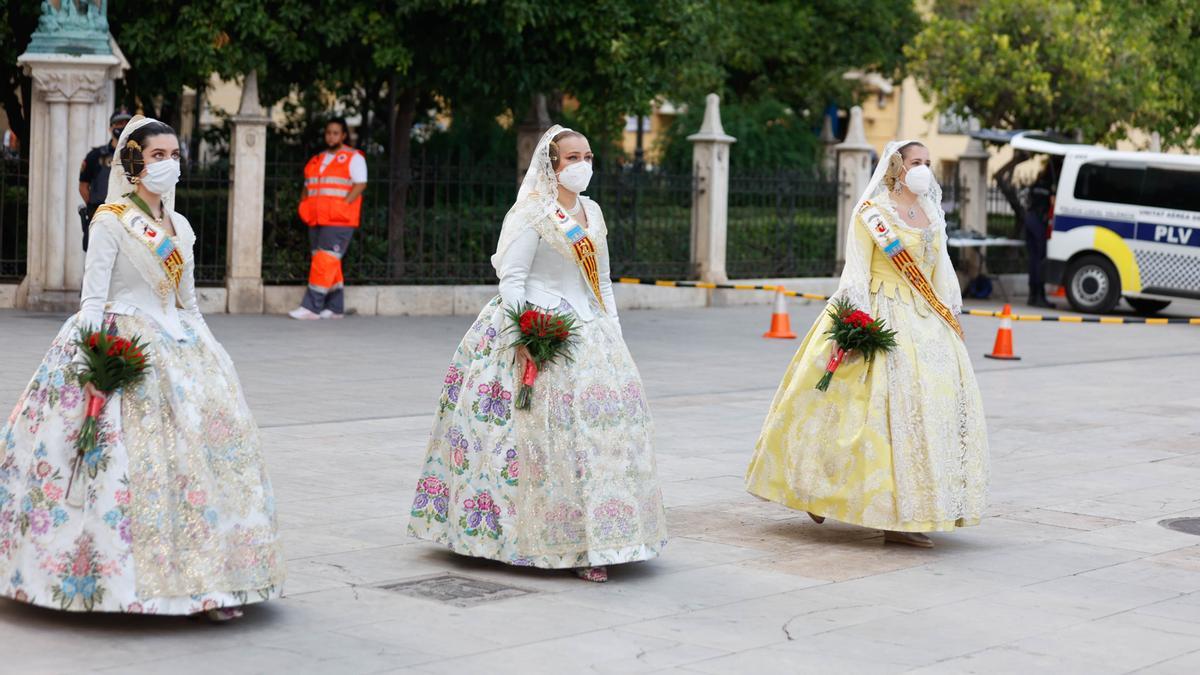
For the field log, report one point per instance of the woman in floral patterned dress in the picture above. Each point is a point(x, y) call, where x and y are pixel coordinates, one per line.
point(172, 513)
point(570, 482)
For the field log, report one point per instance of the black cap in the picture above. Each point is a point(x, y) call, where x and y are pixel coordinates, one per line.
point(120, 116)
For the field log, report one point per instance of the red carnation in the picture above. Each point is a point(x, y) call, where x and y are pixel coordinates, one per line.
point(847, 335)
point(110, 363)
point(545, 335)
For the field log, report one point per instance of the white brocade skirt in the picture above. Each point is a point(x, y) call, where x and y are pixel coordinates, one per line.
point(178, 514)
point(571, 482)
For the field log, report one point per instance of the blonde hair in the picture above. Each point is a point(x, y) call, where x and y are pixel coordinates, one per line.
point(896, 165)
point(554, 156)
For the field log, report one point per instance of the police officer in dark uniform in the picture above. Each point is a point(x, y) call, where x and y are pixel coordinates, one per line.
point(1037, 221)
point(93, 174)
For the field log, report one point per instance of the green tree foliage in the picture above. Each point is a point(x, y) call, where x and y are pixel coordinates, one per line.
point(20, 18)
point(799, 52)
point(1093, 69)
point(769, 136)
point(779, 65)
point(1170, 29)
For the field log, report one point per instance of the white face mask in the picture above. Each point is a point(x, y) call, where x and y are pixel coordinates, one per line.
point(576, 177)
point(161, 177)
point(919, 179)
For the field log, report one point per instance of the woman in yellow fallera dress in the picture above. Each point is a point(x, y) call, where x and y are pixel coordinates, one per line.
point(897, 444)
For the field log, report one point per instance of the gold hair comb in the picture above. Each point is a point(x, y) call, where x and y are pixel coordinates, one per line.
point(132, 144)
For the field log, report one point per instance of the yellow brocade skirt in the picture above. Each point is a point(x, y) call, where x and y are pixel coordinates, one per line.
point(899, 443)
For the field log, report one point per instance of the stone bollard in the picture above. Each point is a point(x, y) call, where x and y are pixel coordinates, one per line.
point(710, 195)
point(248, 164)
point(854, 172)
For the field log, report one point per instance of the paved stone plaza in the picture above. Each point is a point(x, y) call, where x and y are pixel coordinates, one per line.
point(1095, 438)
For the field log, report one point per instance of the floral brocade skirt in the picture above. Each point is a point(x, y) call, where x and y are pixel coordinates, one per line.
point(570, 482)
point(176, 514)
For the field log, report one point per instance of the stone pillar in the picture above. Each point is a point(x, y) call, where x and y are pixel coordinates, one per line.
point(710, 196)
point(972, 196)
point(530, 132)
point(69, 93)
point(248, 165)
point(854, 172)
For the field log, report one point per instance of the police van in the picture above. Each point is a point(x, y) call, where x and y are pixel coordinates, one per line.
point(1126, 225)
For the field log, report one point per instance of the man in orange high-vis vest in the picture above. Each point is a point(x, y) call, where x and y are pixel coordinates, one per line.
point(334, 181)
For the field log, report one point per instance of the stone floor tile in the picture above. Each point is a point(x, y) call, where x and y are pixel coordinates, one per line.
point(602, 651)
point(1127, 641)
point(945, 631)
point(1069, 573)
point(1188, 664)
point(1009, 659)
point(1082, 596)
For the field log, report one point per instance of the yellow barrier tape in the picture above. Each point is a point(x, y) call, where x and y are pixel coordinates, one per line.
point(1064, 318)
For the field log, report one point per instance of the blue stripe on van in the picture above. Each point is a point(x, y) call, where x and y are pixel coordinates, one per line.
point(1124, 228)
point(1177, 235)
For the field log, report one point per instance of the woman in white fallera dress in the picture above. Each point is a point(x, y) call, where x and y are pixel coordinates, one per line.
point(172, 513)
point(571, 482)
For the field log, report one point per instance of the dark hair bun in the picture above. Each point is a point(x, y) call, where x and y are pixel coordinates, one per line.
point(131, 152)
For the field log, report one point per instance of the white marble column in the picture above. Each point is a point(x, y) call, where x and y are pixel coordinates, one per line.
point(854, 172)
point(243, 244)
point(710, 196)
point(69, 92)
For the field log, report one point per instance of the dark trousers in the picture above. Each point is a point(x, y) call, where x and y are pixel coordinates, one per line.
point(326, 285)
point(86, 213)
point(1035, 249)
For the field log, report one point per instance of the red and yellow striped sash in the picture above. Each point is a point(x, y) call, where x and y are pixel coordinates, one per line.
point(891, 246)
point(584, 248)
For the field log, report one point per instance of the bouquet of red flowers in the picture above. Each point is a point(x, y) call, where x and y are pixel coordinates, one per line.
point(854, 329)
point(110, 362)
point(547, 336)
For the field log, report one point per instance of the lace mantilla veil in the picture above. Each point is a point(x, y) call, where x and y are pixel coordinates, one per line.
point(855, 283)
point(119, 186)
point(536, 199)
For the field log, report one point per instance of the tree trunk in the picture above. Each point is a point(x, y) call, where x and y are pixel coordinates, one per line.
point(402, 107)
point(18, 114)
point(1004, 181)
point(194, 154)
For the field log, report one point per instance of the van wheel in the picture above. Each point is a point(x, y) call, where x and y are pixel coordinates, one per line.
point(1093, 285)
point(1147, 307)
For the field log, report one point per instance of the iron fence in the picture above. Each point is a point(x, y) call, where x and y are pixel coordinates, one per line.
point(649, 219)
point(203, 198)
point(1002, 222)
point(451, 220)
point(14, 217)
point(781, 224)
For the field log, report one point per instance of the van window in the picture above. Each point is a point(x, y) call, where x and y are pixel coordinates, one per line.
point(1115, 184)
point(1139, 186)
point(1171, 189)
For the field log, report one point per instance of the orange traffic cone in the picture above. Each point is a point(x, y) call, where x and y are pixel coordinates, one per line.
point(1059, 292)
point(1003, 349)
point(781, 323)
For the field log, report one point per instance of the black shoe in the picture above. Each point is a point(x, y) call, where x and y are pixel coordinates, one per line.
point(1040, 302)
